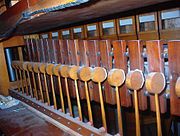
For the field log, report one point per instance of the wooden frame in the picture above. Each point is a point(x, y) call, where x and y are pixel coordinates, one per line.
point(95, 32)
point(67, 34)
point(170, 33)
point(129, 35)
point(111, 36)
point(148, 35)
point(78, 32)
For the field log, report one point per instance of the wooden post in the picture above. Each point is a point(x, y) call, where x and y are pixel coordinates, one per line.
point(4, 79)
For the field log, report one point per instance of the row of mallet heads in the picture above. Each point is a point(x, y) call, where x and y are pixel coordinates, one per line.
point(134, 80)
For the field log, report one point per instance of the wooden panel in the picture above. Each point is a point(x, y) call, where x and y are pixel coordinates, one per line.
point(106, 62)
point(14, 41)
point(92, 31)
point(156, 64)
point(127, 28)
point(120, 61)
point(108, 29)
point(147, 26)
point(174, 69)
point(137, 62)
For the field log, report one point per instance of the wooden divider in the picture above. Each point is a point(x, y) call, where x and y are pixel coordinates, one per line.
point(156, 64)
point(136, 61)
point(174, 68)
point(120, 61)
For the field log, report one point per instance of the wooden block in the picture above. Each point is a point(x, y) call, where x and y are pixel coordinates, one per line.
point(120, 61)
point(174, 70)
point(156, 64)
point(136, 61)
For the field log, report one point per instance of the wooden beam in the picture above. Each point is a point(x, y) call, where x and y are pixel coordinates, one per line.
point(14, 42)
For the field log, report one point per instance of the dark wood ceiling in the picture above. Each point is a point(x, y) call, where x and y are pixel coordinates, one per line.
point(94, 9)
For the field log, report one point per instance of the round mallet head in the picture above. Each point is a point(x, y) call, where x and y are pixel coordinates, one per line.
point(30, 66)
point(20, 65)
point(25, 66)
point(36, 67)
point(64, 71)
point(42, 68)
point(56, 69)
point(14, 64)
point(72, 71)
point(99, 74)
point(155, 82)
point(177, 87)
point(49, 69)
point(85, 73)
point(116, 77)
point(135, 80)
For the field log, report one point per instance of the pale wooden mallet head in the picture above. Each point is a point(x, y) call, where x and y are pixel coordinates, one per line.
point(20, 65)
point(73, 72)
point(155, 82)
point(42, 68)
point(25, 66)
point(177, 87)
point(49, 69)
point(116, 77)
point(99, 74)
point(36, 67)
point(85, 73)
point(135, 80)
point(14, 64)
point(56, 69)
point(30, 66)
point(63, 70)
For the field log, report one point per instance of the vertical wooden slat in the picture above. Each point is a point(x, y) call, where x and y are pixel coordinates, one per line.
point(137, 62)
point(174, 69)
point(156, 64)
point(120, 61)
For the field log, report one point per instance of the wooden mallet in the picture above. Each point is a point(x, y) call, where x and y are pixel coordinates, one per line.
point(72, 71)
point(18, 66)
point(28, 78)
point(49, 71)
point(30, 68)
point(63, 70)
point(84, 74)
point(36, 70)
point(42, 68)
point(135, 81)
point(56, 73)
point(155, 83)
point(177, 87)
point(99, 74)
point(116, 77)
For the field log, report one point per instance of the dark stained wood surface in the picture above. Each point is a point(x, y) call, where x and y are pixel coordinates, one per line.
point(91, 10)
point(20, 121)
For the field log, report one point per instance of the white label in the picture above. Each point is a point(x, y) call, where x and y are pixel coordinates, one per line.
point(170, 14)
point(148, 18)
point(45, 36)
point(125, 22)
point(77, 30)
point(91, 27)
point(66, 32)
point(108, 24)
point(54, 34)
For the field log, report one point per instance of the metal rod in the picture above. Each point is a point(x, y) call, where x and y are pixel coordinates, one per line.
point(61, 94)
point(159, 130)
point(138, 132)
point(68, 97)
point(102, 107)
point(78, 101)
point(119, 112)
point(88, 104)
point(53, 92)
